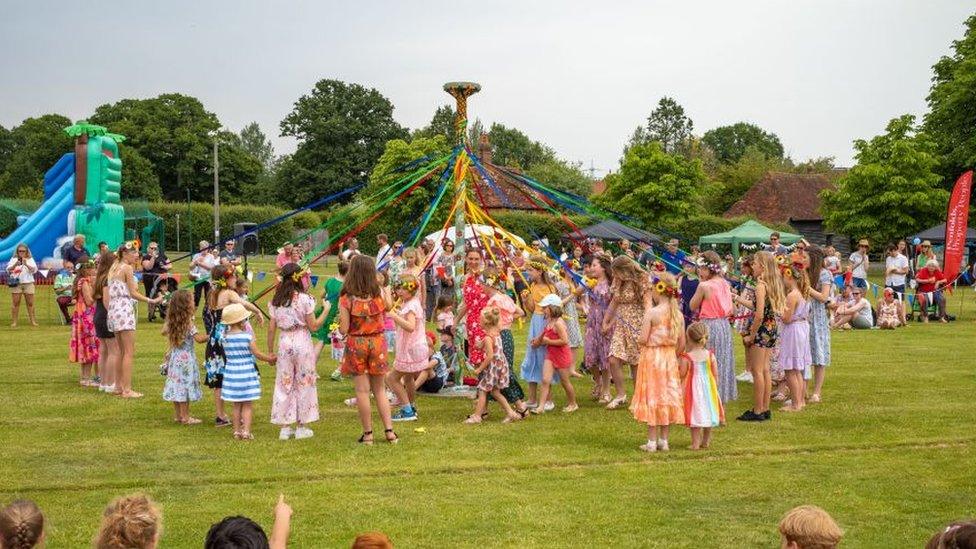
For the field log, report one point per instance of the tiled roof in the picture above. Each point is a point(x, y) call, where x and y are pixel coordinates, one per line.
point(779, 197)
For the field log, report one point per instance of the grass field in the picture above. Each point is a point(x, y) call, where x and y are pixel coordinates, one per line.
point(889, 453)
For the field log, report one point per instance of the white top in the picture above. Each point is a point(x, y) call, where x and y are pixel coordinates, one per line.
point(203, 264)
point(833, 263)
point(22, 271)
point(859, 265)
point(897, 262)
point(383, 255)
point(864, 310)
point(347, 254)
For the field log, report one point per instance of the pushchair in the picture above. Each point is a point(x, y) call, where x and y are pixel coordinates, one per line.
point(164, 285)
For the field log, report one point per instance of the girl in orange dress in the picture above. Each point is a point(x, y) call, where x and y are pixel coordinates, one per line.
point(361, 311)
point(657, 392)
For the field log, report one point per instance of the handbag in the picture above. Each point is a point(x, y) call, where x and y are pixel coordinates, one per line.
point(13, 281)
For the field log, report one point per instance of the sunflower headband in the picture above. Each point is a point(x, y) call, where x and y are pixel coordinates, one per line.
point(222, 281)
point(539, 266)
point(297, 276)
point(664, 288)
point(408, 285)
point(795, 270)
point(497, 280)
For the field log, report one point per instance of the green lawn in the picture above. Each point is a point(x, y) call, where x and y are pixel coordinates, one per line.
point(889, 453)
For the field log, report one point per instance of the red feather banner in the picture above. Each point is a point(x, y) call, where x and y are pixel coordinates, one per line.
point(957, 221)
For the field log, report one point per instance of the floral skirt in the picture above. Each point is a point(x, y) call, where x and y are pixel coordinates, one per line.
point(83, 348)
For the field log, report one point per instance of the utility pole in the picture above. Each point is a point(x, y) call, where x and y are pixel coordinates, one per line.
point(216, 170)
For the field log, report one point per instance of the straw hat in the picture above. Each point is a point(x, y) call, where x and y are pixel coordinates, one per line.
point(863, 242)
point(927, 243)
point(234, 313)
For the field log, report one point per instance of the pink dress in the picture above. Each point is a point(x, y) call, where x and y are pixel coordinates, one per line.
point(295, 393)
point(411, 347)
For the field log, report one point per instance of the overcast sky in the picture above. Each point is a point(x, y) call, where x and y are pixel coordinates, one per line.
point(577, 75)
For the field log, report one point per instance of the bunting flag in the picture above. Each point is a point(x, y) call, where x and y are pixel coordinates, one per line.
point(44, 272)
point(315, 280)
point(874, 288)
point(261, 276)
point(250, 276)
point(957, 219)
point(911, 300)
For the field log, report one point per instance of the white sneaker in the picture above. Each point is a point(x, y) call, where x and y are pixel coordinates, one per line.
point(744, 376)
point(549, 406)
point(651, 446)
point(303, 432)
point(662, 445)
point(286, 433)
point(351, 402)
point(110, 388)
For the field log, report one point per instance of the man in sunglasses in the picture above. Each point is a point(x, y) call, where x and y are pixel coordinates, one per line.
point(775, 247)
point(154, 263)
point(859, 264)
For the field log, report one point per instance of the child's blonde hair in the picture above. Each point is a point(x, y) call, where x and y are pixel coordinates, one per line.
point(697, 333)
point(179, 317)
point(21, 525)
point(676, 318)
point(810, 527)
point(130, 521)
point(775, 293)
point(626, 272)
point(490, 317)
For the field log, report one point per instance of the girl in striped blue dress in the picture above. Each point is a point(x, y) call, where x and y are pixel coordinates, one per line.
point(241, 383)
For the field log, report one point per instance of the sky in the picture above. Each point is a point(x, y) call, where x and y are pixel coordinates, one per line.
point(576, 75)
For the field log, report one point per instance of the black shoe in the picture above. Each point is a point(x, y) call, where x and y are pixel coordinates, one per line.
point(221, 422)
point(749, 415)
point(767, 415)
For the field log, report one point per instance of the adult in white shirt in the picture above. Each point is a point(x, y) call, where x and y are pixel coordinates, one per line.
point(351, 251)
point(859, 264)
point(200, 267)
point(896, 271)
point(384, 251)
point(20, 277)
point(858, 313)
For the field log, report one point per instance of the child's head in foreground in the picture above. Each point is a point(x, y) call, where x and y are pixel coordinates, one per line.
point(809, 527)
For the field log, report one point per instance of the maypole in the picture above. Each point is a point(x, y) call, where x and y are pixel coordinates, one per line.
point(460, 91)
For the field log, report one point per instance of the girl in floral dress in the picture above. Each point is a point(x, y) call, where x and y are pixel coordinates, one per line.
point(492, 371)
point(540, 285)
point(596, 343)
point(84, 343)
point(623, 318)
point(763, 333)
point(496, 286)
point(295, 398)
point(657, 390)
point(182, 374)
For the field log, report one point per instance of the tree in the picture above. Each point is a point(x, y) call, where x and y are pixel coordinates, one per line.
point(564, 176)
point(511, 147)
point(894, 188)
point(952, 106)
point(442, 123)
point(255, 143)
point(731, 142)
point(342, 130)
point(139, 180)
point(667, 124)
point(820, 164)
point(738, 177)
point(34, 146)
point(653, 186)
point(172, 131)
point(395, 165)
point(7, 147)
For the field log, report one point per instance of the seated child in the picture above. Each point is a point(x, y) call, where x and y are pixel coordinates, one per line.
point(433, 379)
point(809, 527)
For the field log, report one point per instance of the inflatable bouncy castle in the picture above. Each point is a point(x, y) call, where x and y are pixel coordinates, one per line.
point(81, 196)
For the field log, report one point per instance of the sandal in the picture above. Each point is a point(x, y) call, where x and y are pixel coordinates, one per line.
point(246, 435)
point(571, 408)
point(191, 421)
point(617, 403)
point(130, 394)
point(512, 418)
point(522, 413)
point(362, 439)
point(814, 398)
point(393, 440)
point(237, 435)
point(473, 420)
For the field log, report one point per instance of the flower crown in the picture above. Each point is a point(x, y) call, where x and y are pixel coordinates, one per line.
point(538, 265)
point(499, 280)
point(298, 275)
point(222, 281)
point(668, 289)
point(658, 266)
point(408, 285)
point(714, 267)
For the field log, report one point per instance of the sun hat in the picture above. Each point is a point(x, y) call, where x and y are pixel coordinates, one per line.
point(927, 243)
point(551, 300)
point(863, 242)
point(234, 313)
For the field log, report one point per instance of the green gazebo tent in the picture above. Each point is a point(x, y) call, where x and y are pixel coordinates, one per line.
point(750, 232)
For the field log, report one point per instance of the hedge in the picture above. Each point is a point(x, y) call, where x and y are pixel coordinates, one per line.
point(690, 229)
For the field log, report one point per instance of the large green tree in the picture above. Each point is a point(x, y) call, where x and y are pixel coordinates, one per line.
point(342, 130)
point(951, 120)
point(654, 186)
point(561, 175)
point(442, 123)
point(255, 142)
point(176, 134)
point(736, 178)
point(511, 147)
point(893, 190)
point(668, 125)
point(34, 146)
point(731, 142)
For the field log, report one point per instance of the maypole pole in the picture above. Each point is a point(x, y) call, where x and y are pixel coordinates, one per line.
point(460, 91)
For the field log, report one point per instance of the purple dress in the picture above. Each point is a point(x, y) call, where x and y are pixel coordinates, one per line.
point(794, 340)
point(596, 346)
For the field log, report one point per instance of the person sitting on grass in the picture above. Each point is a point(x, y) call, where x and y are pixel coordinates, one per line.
point(890, 311)
point(432, 379)
point(809, 527)
point(958, 535)
point(931, 282)
point(856, 314)
point(130, 522)
point(243, 533)
point(21, 525)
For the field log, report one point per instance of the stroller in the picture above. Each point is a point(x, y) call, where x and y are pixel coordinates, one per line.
point(164, 285)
